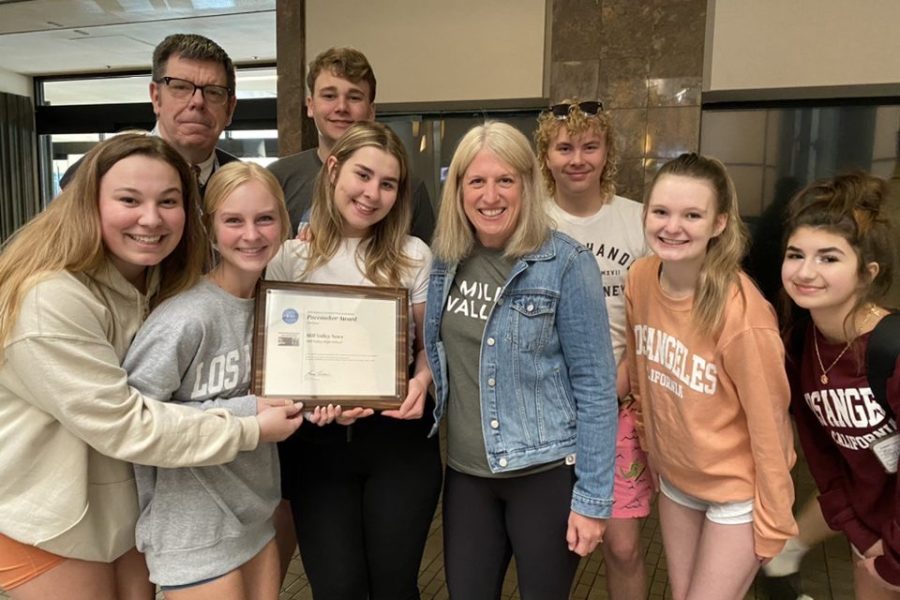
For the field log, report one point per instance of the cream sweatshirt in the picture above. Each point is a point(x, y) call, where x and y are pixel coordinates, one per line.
point(70, 426)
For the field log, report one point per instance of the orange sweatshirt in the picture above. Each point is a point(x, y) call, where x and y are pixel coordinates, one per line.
point(713, 410)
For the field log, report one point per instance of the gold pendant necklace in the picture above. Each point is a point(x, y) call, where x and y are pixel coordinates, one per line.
point(824, 377)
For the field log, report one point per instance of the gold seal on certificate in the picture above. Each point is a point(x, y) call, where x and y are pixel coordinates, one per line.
point(331, 344)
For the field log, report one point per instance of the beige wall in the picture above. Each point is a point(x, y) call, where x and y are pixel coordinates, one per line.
point(763, 44)
point(438, 50)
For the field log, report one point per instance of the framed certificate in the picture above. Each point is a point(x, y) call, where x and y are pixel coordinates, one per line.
point(331, 344)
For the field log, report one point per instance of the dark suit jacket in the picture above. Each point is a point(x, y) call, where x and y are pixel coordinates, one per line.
point(223, 158)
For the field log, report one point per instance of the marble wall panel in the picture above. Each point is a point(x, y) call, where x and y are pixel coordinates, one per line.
point(627, 28)
point(649, 68)
point(630, 178)
point(672, 131)
point(575, 28)
point(679, 34)
point(623, 82)
point(651, 167)
point(674, 91)
point(571, 79)
point(631, 131)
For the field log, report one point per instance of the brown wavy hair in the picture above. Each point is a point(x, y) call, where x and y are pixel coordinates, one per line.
point(850, 206)
point(67, 235)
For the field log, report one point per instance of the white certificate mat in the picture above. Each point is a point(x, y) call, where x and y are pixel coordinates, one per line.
point(331, 344)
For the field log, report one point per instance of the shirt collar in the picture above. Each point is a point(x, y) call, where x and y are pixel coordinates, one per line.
point(206, 167)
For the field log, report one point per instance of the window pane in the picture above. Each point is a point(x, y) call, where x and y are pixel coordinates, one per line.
point(251, 83)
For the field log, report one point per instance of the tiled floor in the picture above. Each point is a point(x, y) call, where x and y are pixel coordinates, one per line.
point(826, 572)
point(826, 569)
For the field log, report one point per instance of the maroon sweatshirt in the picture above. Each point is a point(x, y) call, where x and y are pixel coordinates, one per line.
point(839, 423)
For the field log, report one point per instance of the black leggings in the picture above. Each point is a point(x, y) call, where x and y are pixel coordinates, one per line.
point(363, 505)
point(486, 521)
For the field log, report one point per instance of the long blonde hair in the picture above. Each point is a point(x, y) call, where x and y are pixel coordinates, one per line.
point(724, 252)
point(67, 235)
point(454, 236)
point(383, 260)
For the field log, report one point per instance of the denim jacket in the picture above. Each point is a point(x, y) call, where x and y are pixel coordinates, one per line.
point(547, 374)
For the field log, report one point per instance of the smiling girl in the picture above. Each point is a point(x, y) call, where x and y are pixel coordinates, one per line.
point(706, 364)
point(837, 268)
point(208, 530)
point(363, 496)
point(75, 284)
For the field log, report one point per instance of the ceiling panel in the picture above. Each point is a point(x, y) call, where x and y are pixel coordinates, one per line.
point(44, 37)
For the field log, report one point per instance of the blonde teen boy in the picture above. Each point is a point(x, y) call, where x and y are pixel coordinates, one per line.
point(577, 152)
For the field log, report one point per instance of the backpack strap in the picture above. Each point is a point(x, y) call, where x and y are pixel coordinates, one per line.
point(881, 357)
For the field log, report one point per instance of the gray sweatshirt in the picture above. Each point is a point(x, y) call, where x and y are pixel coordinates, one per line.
point(199, 523)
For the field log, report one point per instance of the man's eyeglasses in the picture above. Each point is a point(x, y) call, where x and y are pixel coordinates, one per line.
point(184, 89)
point(590, 108)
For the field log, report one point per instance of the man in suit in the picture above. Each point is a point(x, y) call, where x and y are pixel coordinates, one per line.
point(193, 95)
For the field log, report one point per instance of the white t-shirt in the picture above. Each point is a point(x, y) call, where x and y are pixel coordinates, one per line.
point(346, 267)
point(615, 235)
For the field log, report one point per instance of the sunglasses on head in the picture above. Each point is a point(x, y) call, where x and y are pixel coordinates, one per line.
point(590, 108)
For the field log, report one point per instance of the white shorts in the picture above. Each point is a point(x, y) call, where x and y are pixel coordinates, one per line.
point(723, 513)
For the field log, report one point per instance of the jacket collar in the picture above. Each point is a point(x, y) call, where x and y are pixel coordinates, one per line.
point(546, 252)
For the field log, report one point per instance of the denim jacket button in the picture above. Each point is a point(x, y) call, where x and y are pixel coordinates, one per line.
point(503, 462)
point(492, 381)
point(490, 341)
point(530, 307)
point(495, 424)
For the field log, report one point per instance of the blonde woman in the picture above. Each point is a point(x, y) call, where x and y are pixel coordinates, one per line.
point(518, 341)
point(363, 495)
point(75, 284)
point(707, 372)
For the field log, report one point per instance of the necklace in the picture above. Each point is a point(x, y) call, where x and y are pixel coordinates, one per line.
point(824, 377)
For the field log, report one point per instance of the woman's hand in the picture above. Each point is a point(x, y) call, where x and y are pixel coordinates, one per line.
point(264, 402)
point(304, 233)
point(875, 550)
point(869, 565)
point(277, 423)
point(584, 534)
point(413, 406)
point(322, 415)
point(348, 416)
